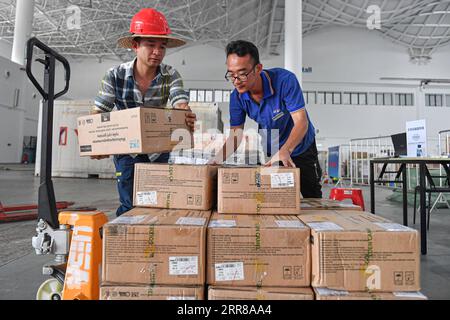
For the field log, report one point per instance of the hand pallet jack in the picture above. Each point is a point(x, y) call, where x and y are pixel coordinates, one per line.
point(73, 237)
point(21, 212)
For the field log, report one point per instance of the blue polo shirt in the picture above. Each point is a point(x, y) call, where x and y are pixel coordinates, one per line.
point(282, 96)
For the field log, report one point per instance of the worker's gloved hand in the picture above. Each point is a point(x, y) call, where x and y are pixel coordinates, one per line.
point(99, 157)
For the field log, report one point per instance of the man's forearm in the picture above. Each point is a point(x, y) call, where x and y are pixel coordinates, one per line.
point(296, 137)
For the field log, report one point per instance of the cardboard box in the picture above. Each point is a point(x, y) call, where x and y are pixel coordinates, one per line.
point(358, 251)
point(258, 250)
point(264, 293)
point(327, 204)
point(133, 131)
point(259, 190)
point(329, 294)
point(174, 186)
point(142, 292)
point(156, 246)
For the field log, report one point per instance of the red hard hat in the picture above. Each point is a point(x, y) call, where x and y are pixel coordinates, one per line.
point(149, 22)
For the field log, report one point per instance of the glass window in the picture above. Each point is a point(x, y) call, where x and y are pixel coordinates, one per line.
point(226, 95)
point(201, 95)
point(311, 97)
point(410, 99)
point(447, 99)
point(363, 99)
point(380, 99)
point(193, 95)
point(439, 100)
point(371, 99)
point(388, 99)
point(218, 97)
point(320, 97)
point(346, 98)
point(396, 99)
point(427, 100)
point(403, 99)
point(354, 98)
point(208, 96)
point(329, 98)
point(336, 98)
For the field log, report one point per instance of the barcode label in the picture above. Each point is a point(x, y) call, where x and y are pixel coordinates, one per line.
point(183, 266)
point(189, 221)
point(230, 271)
point(222, 224)
point(128, 220)
point(146, 198)
point(324, 226)
point(389, 226)
point(282, 180)
point(295, 224)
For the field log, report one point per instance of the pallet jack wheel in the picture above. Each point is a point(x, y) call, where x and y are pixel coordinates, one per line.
point(50, 289)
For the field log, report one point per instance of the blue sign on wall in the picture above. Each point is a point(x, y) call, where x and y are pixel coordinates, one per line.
point(333, 162)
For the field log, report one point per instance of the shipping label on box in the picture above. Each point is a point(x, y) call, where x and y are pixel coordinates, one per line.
point(357, 251)
point(259, 190)
point(174, 186)
point(133, 131)
point(251, 250)
point(156, 246)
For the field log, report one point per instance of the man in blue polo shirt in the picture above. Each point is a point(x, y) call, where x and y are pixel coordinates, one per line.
point(274, 99)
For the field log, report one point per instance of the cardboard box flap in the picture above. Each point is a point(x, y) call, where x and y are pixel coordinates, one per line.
point(250, 221)
point(161, 217)
point(335, 221)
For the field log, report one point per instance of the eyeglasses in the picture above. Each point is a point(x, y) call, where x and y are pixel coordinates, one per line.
point(242, 77)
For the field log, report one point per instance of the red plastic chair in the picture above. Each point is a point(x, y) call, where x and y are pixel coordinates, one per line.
point(354, 194)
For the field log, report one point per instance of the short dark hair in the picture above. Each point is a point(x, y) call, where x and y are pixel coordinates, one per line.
point(243, 48)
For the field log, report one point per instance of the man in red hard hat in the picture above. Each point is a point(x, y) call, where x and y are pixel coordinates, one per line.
point(143, 82)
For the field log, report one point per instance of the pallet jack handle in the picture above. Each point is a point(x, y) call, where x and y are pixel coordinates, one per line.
point(46, 200)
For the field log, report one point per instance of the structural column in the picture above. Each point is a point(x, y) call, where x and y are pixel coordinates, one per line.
point(22, 29)
point(293, 45)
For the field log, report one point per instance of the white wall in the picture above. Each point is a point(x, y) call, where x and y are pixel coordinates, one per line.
point(15, 121)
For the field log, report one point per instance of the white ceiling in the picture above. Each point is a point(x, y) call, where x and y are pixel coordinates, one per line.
point(421, 26)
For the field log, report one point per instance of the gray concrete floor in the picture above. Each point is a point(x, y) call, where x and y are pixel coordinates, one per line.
point(20, 268)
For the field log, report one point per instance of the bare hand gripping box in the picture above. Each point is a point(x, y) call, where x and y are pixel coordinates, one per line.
point(133, 131)
point(358, 251)
point(259, 190)
point(156, 247)
point(252, 250)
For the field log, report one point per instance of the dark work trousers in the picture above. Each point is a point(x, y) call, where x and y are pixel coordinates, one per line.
point(125, 178)
point(310, 172)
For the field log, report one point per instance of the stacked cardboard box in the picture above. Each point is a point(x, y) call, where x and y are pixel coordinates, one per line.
point(258, 190)
point(362, 254)
point(327, 204)
point(134, 131)
point(174, 186)
point(253, 293)
point(154, 254)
